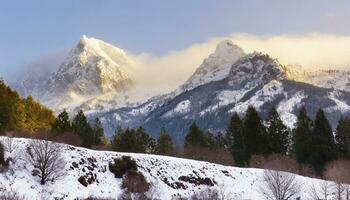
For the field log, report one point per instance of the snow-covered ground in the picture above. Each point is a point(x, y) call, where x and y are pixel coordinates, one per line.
point(161, 171)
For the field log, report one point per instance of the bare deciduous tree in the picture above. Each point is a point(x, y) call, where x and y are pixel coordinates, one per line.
point(45, 156)
point(279, 185)
point(338, 172)
point(9, 143)
point(321, 191)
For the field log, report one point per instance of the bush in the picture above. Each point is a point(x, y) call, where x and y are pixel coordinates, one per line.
point(122, 165)
point(209, 155)
point(11, 196)
point(211, 194)
point(82, 180)
point(135, 182)
point(3, 163)
point(68, 138)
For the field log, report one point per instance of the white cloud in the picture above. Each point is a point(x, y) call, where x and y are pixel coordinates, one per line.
point(156, 75)
point(312, 51)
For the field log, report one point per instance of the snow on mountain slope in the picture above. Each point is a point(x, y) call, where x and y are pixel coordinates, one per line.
point(337, 79)
point(255, 79)
point(162, 172)
point(92, 69)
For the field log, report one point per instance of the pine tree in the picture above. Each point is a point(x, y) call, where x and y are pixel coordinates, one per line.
point(98, 131)
point(342, 136)
point(195, 136)
point(126, 141)
point(302, 137)
point(83, 129)
point(62, 123)
point(146, 141)
point(164, 144)
point(323, 142)
point(255, 133)
point(278, 133)
point(236, 141)
point(130, 140)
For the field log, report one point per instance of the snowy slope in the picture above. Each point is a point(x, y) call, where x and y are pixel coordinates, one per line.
point(161, 171)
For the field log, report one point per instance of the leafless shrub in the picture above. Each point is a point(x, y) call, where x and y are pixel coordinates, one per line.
point(68, 138)
point(219, 156)
point(279, 185)
point(135, 182)
point(209, 193)
point(11, 196)
point(9, 143)
point(338, 171)
point(96, 198)
point(321, 191)
point(308, 171)
point(281, 163)
point(135, 186)
point(45, 157)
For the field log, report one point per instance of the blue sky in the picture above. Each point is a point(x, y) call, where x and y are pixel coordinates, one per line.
point(32, 29)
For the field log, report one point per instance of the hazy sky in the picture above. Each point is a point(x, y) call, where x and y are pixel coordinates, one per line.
point(32, 29)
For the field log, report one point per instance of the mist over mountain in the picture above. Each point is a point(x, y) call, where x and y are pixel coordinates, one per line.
point(105, 82)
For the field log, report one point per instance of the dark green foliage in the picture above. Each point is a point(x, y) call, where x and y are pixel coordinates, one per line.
point(278, 133)
point(164, 144)
point(217, 141)
point(236, 143)
point(97, 131)
point(122, 165)
point(323, 146)
point(196, 137)
point(302, 134)
point(21, 114)
point(82, 180)
point(256, 139)
point(62, 123)
point(342, 136)
point(131, 140)
point(83, 129)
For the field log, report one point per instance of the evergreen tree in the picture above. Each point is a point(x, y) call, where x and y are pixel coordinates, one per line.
point(236, 141)
point(21, 114)
point(302, 137)
point(342, 136)
point(98, 132)
point(254, 133)
point(323, 142)
point(126, 141)
point(164, 144)
point(130, 140)
point(62, 123)
point(195, 136)
point(146, 141)
point(278, 133)
point(83, 129)
point(220, 141)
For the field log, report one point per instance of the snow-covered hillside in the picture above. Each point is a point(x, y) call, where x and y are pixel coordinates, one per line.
point(162, 172)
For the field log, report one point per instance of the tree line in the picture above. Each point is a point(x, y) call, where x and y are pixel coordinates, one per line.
point(22, 114)
point(309, 142)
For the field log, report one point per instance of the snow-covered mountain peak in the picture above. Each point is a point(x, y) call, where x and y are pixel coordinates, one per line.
point(91, 69)
point(255, 69)
point(227, 50)
point(216, 66)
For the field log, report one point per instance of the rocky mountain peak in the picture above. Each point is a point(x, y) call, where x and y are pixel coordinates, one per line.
point(216, 66)
point(254, 69)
